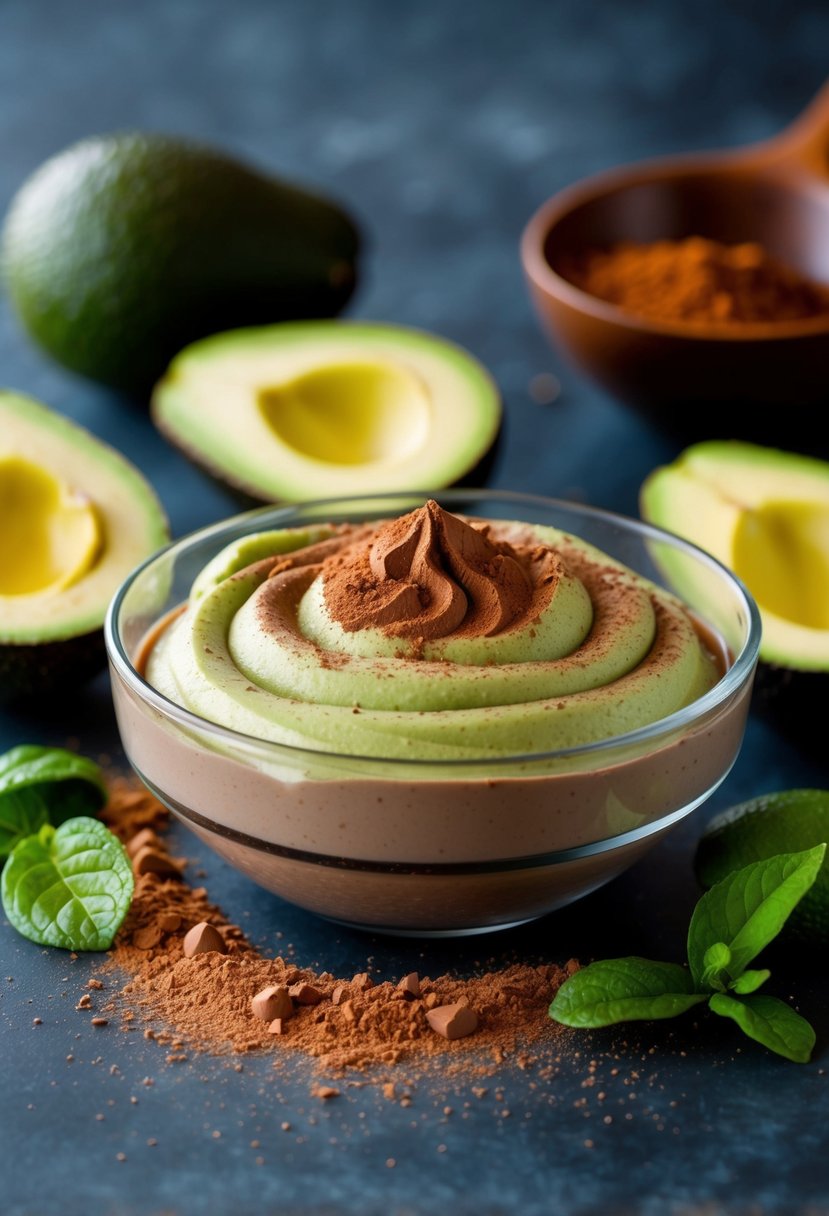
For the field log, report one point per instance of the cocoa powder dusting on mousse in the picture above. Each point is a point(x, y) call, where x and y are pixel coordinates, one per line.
point(189, 976)
point(430, 574)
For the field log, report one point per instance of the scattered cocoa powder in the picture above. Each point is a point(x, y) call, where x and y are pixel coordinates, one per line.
point(208, 1002)
point(131, 807)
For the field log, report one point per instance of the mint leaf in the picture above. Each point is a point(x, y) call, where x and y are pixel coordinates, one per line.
point(771, 1022)
point(69, 886)
point(749, 981)
point(730, 925)
point(31, 764)
point(623, 990)
point(747, 909)
point(22, 813)
point(45, 785)
point(715, 963)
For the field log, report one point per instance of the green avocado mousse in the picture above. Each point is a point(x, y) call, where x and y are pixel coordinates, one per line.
point(432, 715)
point(430, 637)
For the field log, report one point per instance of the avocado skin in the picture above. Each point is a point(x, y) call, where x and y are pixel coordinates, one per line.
point(30, 672)
point(122, 249)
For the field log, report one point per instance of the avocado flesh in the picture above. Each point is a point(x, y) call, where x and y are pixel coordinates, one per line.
point(51, 536)
point(350, 413)
point(77, 518)
point(764, 513)
point(121, 250)
point(321, 409)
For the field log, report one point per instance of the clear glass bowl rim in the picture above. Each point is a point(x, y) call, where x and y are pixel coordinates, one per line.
point(282, 515)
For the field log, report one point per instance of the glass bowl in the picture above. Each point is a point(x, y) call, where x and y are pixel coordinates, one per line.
point(425, 847)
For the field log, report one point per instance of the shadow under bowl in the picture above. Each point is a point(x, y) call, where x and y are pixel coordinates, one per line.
point(432, 848)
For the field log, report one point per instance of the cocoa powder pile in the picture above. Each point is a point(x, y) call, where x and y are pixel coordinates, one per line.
point(698, 280)
point(193, 979)
point(406, 579)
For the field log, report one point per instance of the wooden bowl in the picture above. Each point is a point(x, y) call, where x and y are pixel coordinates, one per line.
point(753, 381)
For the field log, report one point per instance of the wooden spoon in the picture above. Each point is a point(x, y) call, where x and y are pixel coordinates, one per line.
point(758, 381)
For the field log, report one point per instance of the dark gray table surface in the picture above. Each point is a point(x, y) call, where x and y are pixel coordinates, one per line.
point(442, 126)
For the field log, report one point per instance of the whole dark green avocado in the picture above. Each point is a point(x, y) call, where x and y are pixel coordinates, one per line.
point(122, 249)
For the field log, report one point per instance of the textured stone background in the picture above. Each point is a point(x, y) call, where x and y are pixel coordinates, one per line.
point(442, 125)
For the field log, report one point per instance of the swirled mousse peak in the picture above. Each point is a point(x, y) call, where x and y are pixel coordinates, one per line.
point(429, 636)
point(430, 574)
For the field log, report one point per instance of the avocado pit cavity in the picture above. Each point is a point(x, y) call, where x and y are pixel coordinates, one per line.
point(350, 413)
point(781, 551)
point(51, 534)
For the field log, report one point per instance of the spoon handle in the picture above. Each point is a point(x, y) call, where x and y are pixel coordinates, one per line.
point(804, 143)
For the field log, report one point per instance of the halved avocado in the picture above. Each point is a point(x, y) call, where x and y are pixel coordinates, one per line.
point(305, 410)
point(764, 513)
point(75, 517)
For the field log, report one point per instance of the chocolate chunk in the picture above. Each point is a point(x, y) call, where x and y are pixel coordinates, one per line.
point(147, 937)
point(273, 1002)
point(146, 838)
point(338, 994)
point(168, 922)
point(277, 1026)
point(410, 985)
point(305, 994)
point(202, 938)
point(363, 981)
point(150, 860)
point(453, 1021)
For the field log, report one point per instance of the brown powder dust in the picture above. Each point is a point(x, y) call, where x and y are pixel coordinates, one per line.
point(698, 280)
point(427, 575)
point(359, 1023)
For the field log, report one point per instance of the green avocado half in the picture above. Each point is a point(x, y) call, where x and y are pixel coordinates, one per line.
point(329, 408)
point(76, 516)
point(121, 248)
point(764, 512)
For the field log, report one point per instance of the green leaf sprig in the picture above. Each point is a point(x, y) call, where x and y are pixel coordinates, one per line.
point(731, 924)
point(69, 886)
point(41, 785)
point(67, 880)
